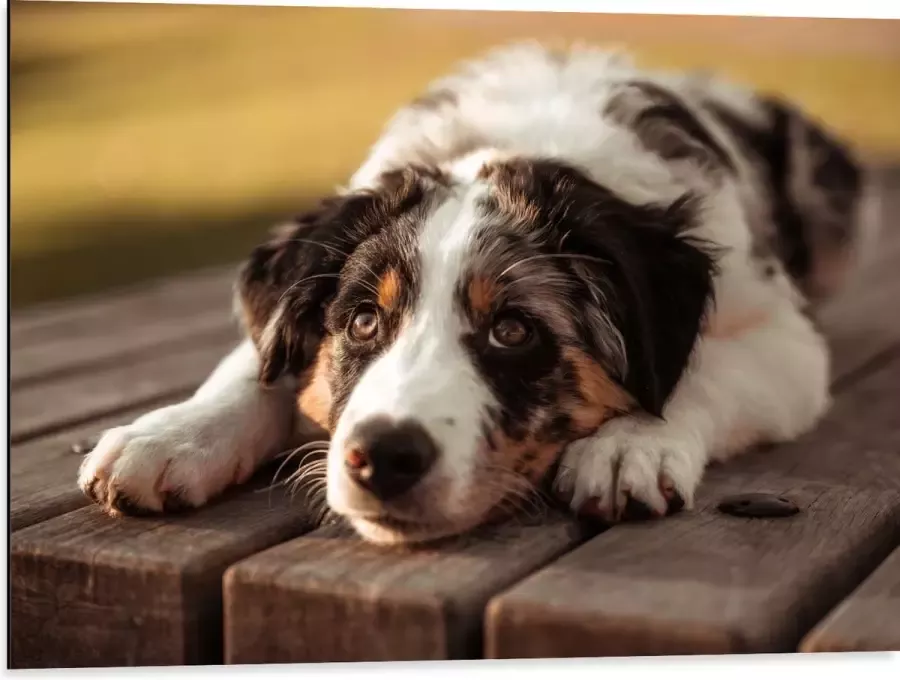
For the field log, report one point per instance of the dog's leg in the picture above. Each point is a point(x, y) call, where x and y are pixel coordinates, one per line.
point(768, 382)
point(184, 454)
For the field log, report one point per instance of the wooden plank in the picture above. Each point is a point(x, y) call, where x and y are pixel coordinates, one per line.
point(329, 597)
point(80, 336)
point(65, 356)
point(705, 582)
point(89, 590)
point(46, 407)
point(42, 471)
point(73, 317)
point(868, 620)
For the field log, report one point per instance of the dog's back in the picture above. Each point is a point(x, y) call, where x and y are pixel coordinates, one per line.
point(801, 189)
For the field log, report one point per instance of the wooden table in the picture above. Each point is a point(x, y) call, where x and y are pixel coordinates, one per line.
point(250, 579)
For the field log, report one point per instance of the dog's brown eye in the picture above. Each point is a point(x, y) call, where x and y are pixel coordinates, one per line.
point(364, 324)
point(509, 331)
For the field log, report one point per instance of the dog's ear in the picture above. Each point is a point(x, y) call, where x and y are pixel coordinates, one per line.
point(285, 284)
point(654, 288)
point(284, 287)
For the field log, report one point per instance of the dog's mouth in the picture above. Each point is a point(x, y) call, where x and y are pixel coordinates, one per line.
point(415, 523)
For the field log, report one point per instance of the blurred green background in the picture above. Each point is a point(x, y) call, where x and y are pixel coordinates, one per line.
point(151, 139)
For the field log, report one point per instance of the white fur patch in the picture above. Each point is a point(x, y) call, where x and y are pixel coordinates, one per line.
point(426, 374)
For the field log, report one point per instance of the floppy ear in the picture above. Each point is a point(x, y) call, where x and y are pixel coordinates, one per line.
point(656, 285)
point(284, 286)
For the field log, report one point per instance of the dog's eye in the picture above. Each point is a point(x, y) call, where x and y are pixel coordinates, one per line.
point(509, 331)
point(364, 324)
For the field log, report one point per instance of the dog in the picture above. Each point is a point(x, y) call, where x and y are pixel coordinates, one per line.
point(553, 265)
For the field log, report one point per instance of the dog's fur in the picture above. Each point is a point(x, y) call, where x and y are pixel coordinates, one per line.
point(652, 242)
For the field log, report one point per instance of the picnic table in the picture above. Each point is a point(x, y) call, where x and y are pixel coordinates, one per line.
point(252, 579)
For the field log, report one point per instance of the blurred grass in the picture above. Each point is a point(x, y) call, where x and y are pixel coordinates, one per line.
point(149, 139)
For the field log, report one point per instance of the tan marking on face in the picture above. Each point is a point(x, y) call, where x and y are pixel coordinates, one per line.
point(314, 400)
point(527, 462)
point(389, 289)
point(482, 293)
point(600, 398)
point(529, 457)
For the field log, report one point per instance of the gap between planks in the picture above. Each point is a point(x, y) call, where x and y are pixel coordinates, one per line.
point(868, 620)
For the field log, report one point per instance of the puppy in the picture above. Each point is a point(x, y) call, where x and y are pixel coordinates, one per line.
point(551, 263)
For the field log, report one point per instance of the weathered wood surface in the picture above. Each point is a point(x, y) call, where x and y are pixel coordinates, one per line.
point(868, 620)
point(67, 337)
point(91, 590)
point(88, 590)
point(45, 407)
point(329, 597)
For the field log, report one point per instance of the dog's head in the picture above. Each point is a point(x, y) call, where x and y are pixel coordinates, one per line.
point(465, 332)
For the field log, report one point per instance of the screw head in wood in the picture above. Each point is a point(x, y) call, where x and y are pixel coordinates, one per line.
point(757, 505)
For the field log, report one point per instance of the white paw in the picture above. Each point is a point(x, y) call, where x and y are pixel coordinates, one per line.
point(175, 457)
point(631, 469)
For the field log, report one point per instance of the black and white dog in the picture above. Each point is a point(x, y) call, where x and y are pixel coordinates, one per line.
point(551, 263)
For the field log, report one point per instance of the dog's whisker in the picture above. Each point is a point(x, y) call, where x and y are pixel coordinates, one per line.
point(289, 455)
point(549, 256)
point(304, 280)
point(304, 447)
point(308, 478)
point(326, 246)
point(333, 249)
point(312, 471)
point(543, 279)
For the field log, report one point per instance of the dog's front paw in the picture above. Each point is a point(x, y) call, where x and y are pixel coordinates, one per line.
point(631, 469)
point(164, 461)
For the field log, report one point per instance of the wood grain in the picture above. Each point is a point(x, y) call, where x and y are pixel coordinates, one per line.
point(79, 336)
point(77, 316)
point(46, 407)
point(868, 620)
point(329, 597)
point(704, 582)
point(89, 590)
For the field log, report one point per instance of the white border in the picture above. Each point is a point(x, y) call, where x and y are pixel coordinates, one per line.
point(825, 666)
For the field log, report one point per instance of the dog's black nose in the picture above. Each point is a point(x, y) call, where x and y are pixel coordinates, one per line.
point(387, 458)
